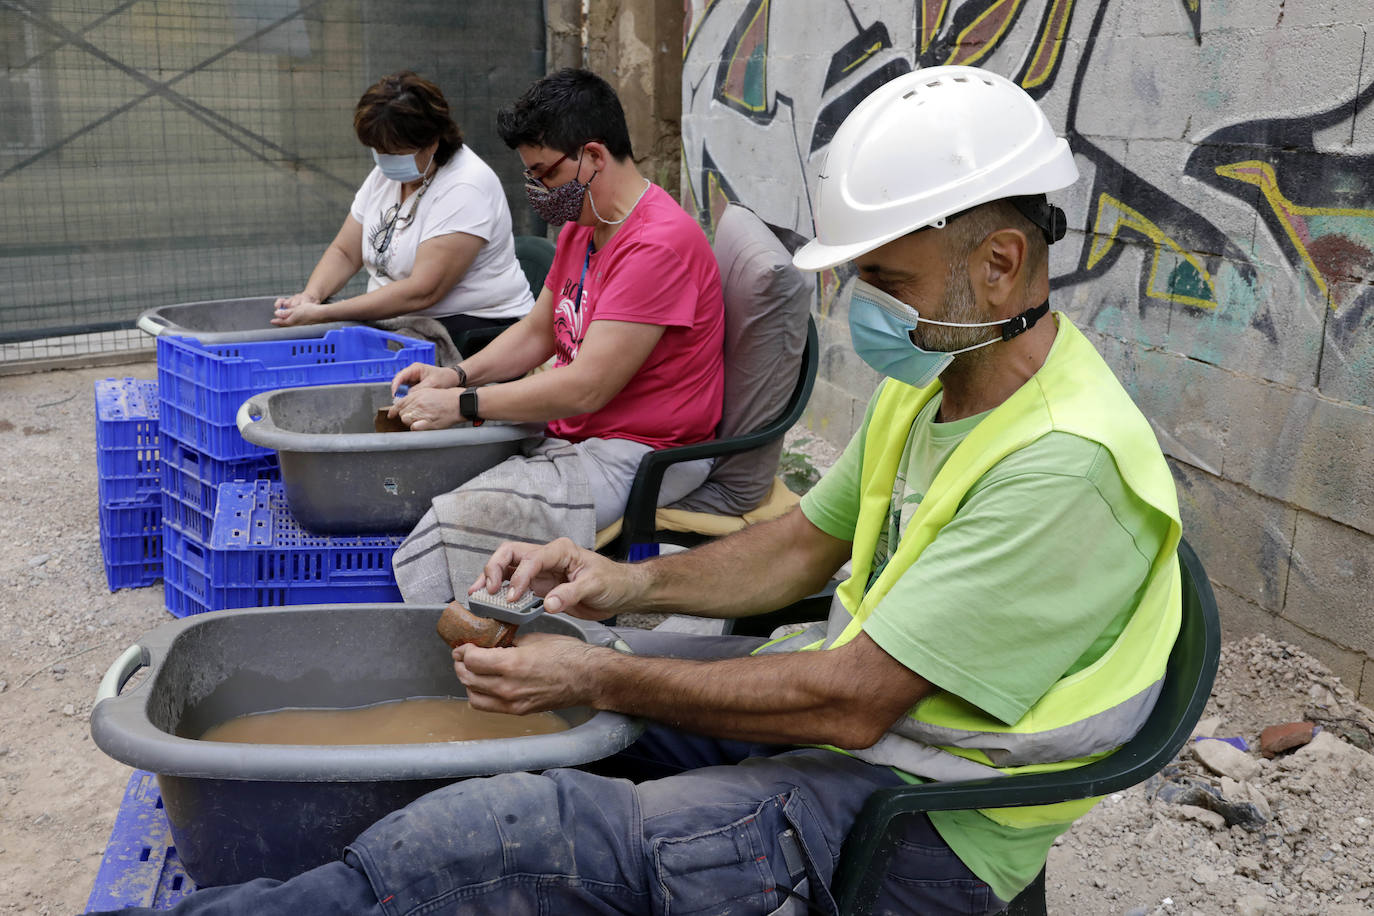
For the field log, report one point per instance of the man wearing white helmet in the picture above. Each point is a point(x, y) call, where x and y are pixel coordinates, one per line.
point(1011, 527)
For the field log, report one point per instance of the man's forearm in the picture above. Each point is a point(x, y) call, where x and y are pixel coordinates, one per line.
point(759, 569)
point(846, 697)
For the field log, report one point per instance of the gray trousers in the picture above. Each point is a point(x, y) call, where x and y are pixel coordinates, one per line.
point(611, 465)
point(555, 489)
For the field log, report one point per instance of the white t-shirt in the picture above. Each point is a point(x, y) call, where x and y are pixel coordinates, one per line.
point(464, 196)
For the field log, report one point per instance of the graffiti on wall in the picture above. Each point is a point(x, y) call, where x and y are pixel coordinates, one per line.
point(1205, 216)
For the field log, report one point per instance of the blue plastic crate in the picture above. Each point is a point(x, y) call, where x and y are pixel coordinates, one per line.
point(185, 591)
point(258, 556)
point(131, 543)
point(126, 439)
point(256, 540)
point(190, 484)
point(202, 386)
point(140, 867)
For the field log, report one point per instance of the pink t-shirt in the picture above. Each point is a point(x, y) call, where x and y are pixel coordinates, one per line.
point(658, 269)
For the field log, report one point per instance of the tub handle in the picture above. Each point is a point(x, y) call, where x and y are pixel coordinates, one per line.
point(152, 324)
point(250, 411)
point(120, 672)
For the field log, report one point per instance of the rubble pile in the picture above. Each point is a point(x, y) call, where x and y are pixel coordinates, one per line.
point(1267, 810)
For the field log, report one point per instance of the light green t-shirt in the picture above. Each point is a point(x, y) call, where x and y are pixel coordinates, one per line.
point(1032, 579)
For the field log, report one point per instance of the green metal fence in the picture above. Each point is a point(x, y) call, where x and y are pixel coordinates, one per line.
point(163, 151)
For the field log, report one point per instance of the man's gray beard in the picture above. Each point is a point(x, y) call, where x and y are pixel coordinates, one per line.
point(960, 306)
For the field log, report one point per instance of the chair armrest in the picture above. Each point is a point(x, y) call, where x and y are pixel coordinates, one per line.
point(1109, 774)
point(815, 606)
point(643, 499)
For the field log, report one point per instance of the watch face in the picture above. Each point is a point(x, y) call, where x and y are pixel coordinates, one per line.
point(467, 404)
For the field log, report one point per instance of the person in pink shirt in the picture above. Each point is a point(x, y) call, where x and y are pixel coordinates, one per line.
point(631, 312)
point(658, 273)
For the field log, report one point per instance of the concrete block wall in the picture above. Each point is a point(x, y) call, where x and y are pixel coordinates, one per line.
point(1220, 254)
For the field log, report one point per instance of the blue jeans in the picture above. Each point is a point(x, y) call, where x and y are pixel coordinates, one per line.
point(725, 827)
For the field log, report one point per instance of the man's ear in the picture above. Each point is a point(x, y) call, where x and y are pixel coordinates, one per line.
point(998, 266)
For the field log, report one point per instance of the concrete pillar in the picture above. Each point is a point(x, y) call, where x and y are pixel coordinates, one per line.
point(636, 45)
point(563, 30)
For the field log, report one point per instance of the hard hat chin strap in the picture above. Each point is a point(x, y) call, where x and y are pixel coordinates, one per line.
point(1025, 321)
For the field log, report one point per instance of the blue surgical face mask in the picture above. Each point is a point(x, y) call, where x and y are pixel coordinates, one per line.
point(881, 327)
point(400, 167)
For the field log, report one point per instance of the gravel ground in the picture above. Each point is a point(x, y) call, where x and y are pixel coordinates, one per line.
point(60, 627)
point(1240, 835)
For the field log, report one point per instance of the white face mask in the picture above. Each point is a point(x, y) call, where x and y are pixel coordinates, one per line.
point(401, 167)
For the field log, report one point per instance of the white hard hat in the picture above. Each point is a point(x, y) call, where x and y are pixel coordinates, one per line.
point(927, 145)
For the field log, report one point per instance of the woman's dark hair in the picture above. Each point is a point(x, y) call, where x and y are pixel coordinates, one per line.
point(564, 110)
point(403, 112)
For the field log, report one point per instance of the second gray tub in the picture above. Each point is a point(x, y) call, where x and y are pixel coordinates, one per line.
point(343, 477)
point(223, 321)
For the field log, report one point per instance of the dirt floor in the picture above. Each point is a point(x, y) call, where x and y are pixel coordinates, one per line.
point(1238, 834)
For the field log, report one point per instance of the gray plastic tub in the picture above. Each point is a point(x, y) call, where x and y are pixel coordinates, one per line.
point(220, 321)
point(238, 811)
point(343, 477)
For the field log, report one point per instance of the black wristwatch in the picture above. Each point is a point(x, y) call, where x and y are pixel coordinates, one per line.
point(467, 406)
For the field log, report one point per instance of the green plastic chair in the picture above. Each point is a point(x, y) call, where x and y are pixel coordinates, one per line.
point(639, 528)
point(535, 254)
point(1187, 685)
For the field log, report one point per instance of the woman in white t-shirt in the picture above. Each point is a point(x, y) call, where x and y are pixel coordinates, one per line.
point(430, 224)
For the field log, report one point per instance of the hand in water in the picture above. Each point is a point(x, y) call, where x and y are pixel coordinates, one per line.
point(428, 408)
point(301, 308)
point(423, 375)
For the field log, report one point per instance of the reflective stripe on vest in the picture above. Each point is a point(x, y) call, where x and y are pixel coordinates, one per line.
point(1084, 715)
point(1091, 735)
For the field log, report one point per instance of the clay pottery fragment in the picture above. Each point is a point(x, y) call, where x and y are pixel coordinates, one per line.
point(457, 625)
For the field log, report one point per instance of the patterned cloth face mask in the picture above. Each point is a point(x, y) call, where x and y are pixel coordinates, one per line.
point(559, 205)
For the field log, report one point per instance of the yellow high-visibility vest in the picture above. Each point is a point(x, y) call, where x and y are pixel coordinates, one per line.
point(1089, 713)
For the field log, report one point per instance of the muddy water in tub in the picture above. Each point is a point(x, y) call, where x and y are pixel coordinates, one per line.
point(414, 721)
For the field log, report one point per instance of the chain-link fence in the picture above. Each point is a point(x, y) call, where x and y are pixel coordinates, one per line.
point(163, 151)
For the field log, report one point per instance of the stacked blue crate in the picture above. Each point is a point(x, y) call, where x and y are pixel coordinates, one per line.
point(200, 389)
point(259, 556)
point(190, 484)
point(127, 453)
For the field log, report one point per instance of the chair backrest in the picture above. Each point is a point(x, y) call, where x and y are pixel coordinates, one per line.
point(767, 305)
point(535, 254)
point(1187, 685)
